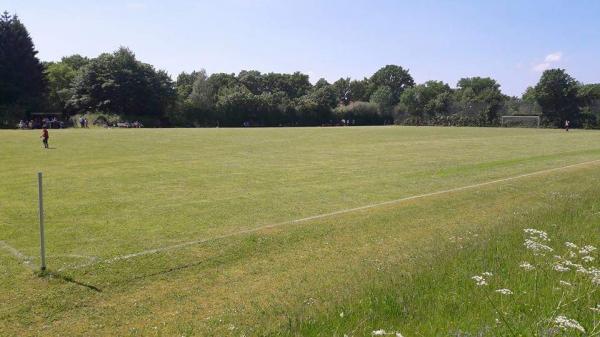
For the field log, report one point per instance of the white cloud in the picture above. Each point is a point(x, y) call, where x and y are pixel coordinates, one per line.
point(540, 67)
point(554, 57)
point(548, 62)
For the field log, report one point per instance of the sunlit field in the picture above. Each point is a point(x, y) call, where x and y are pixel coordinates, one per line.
point(357, 231)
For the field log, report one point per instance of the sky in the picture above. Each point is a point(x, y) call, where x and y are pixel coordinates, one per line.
point(512, 41)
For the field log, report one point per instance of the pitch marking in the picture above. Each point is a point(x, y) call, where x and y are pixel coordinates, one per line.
point(325, 215)
point(24, 259)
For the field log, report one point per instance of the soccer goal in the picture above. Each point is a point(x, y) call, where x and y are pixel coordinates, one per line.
point(521, 121)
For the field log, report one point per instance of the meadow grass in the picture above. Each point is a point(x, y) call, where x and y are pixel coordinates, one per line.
point(405, 267)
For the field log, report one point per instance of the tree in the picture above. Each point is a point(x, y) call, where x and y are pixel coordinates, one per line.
point(22, 82)
point(556, 92)
point(253, 80)
point(481, 98)
point(588, 96)
point(316, 107)
point(384, 98)
point(426, 100)
point(60, 76)
point(118, 83)
point(293, 85)
point(396, 78)
point(321, 83)
point(75, 61)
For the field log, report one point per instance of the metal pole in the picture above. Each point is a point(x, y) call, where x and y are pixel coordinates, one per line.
point(41, 211)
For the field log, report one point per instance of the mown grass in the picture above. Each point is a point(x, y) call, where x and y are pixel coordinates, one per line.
point(113, 192)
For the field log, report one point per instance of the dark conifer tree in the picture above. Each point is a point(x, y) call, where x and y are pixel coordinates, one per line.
point(22, 83)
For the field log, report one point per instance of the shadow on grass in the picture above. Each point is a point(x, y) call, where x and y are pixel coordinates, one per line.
point(68, 279)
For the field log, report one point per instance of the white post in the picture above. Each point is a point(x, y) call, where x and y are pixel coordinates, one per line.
point(41, 211)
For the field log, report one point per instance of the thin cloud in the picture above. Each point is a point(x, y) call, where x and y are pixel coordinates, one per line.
point(549, 61)
point(554, 57)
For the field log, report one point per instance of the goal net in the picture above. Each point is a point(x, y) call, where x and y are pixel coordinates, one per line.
point(521, 121)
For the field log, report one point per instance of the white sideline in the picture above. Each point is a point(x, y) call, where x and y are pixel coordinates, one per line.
point(24, 259)
point(325, 215)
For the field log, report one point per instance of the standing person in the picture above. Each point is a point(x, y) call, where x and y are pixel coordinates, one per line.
point(567, 123)
point(45, 137)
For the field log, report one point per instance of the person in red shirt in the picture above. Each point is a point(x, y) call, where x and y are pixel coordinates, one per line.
point(45, 137)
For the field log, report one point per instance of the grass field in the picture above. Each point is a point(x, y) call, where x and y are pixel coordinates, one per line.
point(251, 270)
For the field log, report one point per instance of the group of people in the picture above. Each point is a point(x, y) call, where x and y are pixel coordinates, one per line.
point(83, 122)
point(37, 123)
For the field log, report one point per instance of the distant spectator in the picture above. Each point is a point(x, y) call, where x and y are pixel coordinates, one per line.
point(567, 123)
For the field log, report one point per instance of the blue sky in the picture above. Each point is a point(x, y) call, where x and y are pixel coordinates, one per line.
point(511, 41)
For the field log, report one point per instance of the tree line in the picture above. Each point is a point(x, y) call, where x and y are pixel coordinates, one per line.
point(119, 85)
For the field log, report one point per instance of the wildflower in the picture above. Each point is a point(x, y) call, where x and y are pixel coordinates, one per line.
point(565, 283)
point(586, 250)
point(527, 266)
point(568, 323)
point(504, 291)
point(536, 247)
point(571, 245)
point(596, 280)
point(479, 280)
point(537, 234)
point(382, 333)
point(572, 254)
point(342, 314)
point(487, 274)
point(560, 268)
point(587, 258)
point(596, 309)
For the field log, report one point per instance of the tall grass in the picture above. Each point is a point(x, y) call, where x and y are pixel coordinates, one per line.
point(537, 275)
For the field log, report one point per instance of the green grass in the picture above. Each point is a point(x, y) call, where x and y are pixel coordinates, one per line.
point(397, 267)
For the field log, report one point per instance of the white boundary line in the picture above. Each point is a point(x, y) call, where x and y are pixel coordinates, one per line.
point(325, 215)
point(24, 259)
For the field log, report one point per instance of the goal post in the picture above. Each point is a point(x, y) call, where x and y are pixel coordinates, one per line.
point(520, 121)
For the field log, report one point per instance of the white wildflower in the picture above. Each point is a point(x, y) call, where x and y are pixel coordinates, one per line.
point(565, 283)
point(479, 280)
point(587, 258)
point(342, 314)
point(596, 309)
point(536, 234)
point(487, 274)
point(571, 245)
point(527, 266)
point(596, 280)
point(586, 250)
point(572, 254)
point(536, 247)
point(383, 333)
point(560, 268)
point(504, 291)
point(568, 323)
